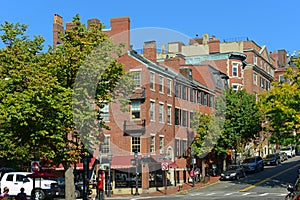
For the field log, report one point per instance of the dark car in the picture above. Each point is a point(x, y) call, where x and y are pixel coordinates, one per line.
point(272, 159)
point(61, 185)
point(253, 164)
point(233, 172)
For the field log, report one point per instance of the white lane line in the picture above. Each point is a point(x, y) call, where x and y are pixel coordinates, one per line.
point(265, 194)
point(210, 194)
point(246, 193)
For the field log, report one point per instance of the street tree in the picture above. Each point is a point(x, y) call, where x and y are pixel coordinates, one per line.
point(280, 107)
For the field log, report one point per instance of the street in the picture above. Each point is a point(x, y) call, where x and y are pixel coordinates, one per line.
point(268, 184)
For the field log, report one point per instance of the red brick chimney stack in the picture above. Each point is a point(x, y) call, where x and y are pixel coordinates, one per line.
point(150, 50)
point(57, 28)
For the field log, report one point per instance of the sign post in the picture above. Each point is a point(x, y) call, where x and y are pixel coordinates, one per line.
point(165, 168)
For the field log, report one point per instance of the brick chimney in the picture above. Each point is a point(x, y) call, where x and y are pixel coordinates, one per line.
point(150, 50)
point(93, 21)
point(120, 31)
point(214, 45)
point(57, 29)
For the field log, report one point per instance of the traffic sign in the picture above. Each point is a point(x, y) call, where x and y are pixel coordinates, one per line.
point(35, 166)
point(164, 166)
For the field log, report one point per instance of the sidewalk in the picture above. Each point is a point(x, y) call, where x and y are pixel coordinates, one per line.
point(172, 190)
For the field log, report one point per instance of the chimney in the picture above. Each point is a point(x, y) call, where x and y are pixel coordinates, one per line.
point(150, 50)
point(120, 31)
point(93, 21)
point(282, 54)
point(214, 45)
point(57, 29)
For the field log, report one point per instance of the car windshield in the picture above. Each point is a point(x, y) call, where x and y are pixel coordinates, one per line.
point(233, 167)
point(249, 160)
point(270, 156)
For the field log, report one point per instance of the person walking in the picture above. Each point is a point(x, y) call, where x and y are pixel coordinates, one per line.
point(5, 194)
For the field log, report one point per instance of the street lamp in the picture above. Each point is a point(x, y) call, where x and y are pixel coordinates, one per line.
point(109, 158)
point(136, 173)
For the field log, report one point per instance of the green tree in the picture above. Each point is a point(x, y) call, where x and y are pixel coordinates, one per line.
point(242, 121)
point(281, 107)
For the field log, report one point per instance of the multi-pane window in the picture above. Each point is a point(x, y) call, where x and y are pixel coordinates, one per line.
point(211, 101)
point(161, 144)
point(177, 148)
point(234, 87)
point(183, 147)
point(105, 113)
point(161, 113)
point(169, 111)
point(281, 78)
point(191, 119)
point(192, 92)
point(135, 144)
point(161, 84)
point(184, 92)
point(254, 59)
point(205, 99)
point(105, 146)
point(169, 84)
point(235, 69)
point(152, 144)
point(152, 81)
point(136, 109)
point(199, 97)
point(255, 79)
point(177, 116)
point(136, 76)
point(184, 117)
point(152, 111)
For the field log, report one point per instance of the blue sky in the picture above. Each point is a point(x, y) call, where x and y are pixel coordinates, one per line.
point(272, 23)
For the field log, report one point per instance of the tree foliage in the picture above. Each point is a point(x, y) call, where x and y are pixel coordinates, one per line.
point(281, 107)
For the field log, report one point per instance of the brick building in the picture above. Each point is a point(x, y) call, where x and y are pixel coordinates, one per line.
point(158, 123)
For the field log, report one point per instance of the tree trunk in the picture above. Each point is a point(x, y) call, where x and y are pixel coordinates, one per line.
point(70, 186)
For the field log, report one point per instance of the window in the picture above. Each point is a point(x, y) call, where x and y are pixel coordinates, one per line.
point(211, 101)
point(169, 114)
point(199, 97)
point(184, 118)
point(192, 92)
point(191, 119)
point(177, 116)
point(137, 78)
point(262, 82)
point(234, 87)
point(161, 84)
point(235, 69)
point(20, 178)
point(281, 79)
point(169, 82)
point(205, 99)
point(136, 109)
point(152, 144)
point(105, 113)
point(105, 146)
point(254, 59)
point(152, 81)
point(161, 144)
point(10, 177)
point(184, 92)
point(255, 79)
point(135, 144)
point(178, 90)
point(152, 111)
point(161, 113)
point(183, 147)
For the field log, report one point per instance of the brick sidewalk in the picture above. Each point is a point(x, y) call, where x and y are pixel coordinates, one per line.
point(171, 190)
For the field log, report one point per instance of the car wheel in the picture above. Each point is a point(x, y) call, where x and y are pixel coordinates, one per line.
point(77, 194)
point(38, 194)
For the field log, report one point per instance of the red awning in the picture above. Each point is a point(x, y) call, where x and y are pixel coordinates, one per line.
point(79, 166)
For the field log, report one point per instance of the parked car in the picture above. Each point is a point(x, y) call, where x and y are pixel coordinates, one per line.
point(290, 151)
point(272, 159)
point(253, 164)
point(233, 172)
point(44, 188)
point(283, 156)
point(78, 188)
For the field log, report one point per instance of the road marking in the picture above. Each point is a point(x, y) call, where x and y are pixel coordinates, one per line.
point(261, 195)
point(229, 194)
point(210, 194)
point(246, 193)
point(264, 180)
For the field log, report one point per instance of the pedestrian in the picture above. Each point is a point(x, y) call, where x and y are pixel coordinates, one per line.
point(5, 194)
point(21, 195)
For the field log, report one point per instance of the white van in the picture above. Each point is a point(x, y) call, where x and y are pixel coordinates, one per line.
point(17, 180)
point(290, 151)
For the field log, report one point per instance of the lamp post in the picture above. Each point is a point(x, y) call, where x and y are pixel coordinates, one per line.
point(136, 173)
point(109, 158)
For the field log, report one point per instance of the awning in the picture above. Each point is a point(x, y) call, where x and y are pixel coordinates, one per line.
point(79, 166)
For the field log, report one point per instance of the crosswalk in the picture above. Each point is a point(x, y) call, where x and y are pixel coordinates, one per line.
point(236, 194)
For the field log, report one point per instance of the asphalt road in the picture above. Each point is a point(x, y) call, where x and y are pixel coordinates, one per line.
point(268, 184)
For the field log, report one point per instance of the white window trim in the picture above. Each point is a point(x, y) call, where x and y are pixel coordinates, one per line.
point(255, 79)
point(169, 86)
point(161, 104)
point(151, 142)
point(169, 105)
point(152, 101)
point(161, 84)
point(161, 151)
point(138, 70)
point(152, 89)
point(237, 69)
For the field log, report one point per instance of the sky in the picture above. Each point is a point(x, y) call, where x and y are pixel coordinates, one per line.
point(274, 23)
